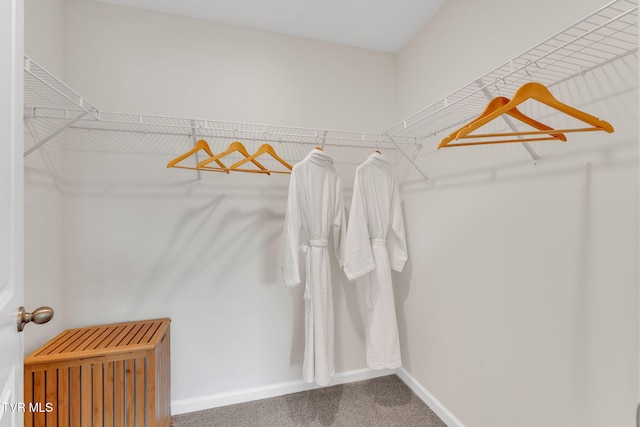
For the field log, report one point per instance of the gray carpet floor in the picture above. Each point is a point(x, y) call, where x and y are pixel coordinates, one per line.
point(384, 401)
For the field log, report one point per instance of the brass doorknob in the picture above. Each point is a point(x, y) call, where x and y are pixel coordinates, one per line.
point(39, 316)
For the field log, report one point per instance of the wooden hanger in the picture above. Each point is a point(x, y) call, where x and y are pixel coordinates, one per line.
point(264, 149)
point(233, 147)
point(538, 92)
point(200, 145)
point(495, 104)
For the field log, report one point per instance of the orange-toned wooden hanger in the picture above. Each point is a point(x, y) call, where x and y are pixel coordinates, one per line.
point(200, 145)
point(233, 147)
point(495, 104)
point(264, 149)
point(540, 93)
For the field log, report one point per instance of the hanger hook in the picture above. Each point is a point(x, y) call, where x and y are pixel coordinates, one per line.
point(525, 69)
point(495, 84)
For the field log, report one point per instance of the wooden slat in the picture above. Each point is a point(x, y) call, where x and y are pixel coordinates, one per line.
point(72, 341)
point(51, 399)
point(122, 334)
point(152, 388)
point(140, 386)
point(148, 337)
point(77, 345)
point(54, 345)
point(162, 381)
point(166, 379)
point(120, 403)
point(86, 409)
point(108, 396)
point(39, 396)
point(62, 345)
point(113, 375)
point(63, 397)
point(135, 339)
point(130, 392)
point(75, 395)
point(90, 344)
point(28, 395)
point(99, 341)
point(51, 345)
point(132, 333)
point(109, 338)
point(98, 403)
point(167, 374)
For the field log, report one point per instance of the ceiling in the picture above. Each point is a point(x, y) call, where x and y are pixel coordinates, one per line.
point(383, 25)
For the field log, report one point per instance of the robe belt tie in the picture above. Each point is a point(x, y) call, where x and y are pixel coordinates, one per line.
point(378, 242)
point(312, 243)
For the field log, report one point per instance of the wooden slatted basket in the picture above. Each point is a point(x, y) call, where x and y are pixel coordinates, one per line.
point(112, 375)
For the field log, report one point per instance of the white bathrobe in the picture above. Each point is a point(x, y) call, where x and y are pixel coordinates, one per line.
point(316, 209)
point(376, 243)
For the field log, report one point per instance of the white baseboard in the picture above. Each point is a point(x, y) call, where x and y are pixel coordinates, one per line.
point(201, 403)
point(436, 406)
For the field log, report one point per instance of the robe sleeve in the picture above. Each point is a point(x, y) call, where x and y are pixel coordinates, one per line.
point(290, 255)
point(358, 258)
point(396, 239)
point(339, 225)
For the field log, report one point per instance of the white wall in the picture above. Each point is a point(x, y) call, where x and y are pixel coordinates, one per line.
point(466, 39)
point(520, 304)
point(129, 60)
point(538, 328)
point(43, 199)
point(141, 241)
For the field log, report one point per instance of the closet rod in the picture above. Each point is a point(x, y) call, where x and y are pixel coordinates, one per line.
point(317, 137)
point(371, 144)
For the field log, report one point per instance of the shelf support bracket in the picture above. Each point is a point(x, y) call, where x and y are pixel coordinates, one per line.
point(426, 178)
point(324, 138)
point(533, 154)
point(53, 135)
point(194, 138)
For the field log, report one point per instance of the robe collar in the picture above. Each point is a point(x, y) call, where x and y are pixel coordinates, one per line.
point(378, 158)
point(319, 157)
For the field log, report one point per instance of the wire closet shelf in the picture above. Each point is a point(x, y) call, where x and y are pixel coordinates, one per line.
point(607, 35)
point(53, 111)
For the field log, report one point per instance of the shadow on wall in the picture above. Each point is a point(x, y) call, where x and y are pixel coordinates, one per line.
point(186, 235)
point(584, 297)
point(402, 287)
point(347, 301)
point(560, 165)
point(200, 246)
point(185, 232)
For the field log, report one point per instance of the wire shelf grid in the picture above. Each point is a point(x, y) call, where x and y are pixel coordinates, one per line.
point(605, 36)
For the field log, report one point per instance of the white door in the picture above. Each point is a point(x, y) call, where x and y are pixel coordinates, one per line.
point(11, 209)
